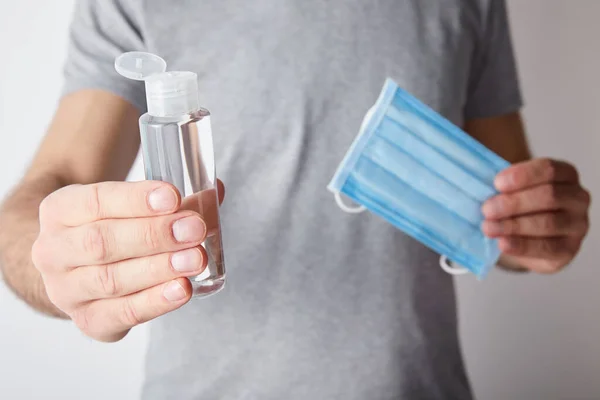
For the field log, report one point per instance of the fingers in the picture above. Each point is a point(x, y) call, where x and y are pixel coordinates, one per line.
point(113, 240)
point(80, 204)
point(110, 319)
point(132, 275)
point(108, 241)
point(552, 249)
point(535, 172)
point(113, 255)
point(205, 204)
point(543, 198)
point(549, 224)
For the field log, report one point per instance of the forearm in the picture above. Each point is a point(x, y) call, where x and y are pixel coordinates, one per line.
point(19, 228)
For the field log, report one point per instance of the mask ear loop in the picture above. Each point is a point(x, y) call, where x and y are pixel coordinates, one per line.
point(346, 208)
point(446, 266)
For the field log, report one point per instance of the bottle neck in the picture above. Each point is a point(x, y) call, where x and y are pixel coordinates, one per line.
point(180, 104)
point(172, 93)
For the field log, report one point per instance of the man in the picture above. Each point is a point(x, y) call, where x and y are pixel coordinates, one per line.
point(319, 304)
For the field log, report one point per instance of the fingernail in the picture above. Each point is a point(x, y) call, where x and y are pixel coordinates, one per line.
point(492, 228)
point(491, 208)
point(186, 260)
point(189, 229)
point(162, 199)
point(503, 181)
point(174, 291)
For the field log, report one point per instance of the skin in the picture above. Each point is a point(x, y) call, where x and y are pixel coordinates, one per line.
point(541, 215)
point(77, 243)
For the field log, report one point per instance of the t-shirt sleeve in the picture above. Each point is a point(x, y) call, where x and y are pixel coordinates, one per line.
point(493, 88)
point(101, 30)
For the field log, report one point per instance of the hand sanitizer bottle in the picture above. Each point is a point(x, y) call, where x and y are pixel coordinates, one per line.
point(177, 147)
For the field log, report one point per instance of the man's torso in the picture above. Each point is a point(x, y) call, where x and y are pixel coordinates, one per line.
point(319, 304)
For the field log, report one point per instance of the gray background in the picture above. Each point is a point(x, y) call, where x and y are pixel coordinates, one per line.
point(523, 337)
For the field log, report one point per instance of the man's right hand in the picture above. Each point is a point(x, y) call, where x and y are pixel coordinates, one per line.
point(114, 255)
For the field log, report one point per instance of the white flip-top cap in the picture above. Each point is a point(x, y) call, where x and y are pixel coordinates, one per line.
point(168, 94)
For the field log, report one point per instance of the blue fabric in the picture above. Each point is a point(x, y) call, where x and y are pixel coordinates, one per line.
point(424, 175)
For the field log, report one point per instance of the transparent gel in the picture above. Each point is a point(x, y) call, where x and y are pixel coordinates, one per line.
point(177, 147)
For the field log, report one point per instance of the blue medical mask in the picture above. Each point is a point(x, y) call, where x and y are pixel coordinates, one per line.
point(424, 175)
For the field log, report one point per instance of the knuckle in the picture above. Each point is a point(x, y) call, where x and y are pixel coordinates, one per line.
point(511, 204)
point(46, 208)
point(54, 293)
point(550, 195)
point(521, 246)
point(129, 314)
point(548, 168)
point(95, 243)
point(586, 196)
point(516, 245)
point(39, 254)
point(574, 243)
point(547, 247)
point(511, 226)
point(83, 319)
point(573, 171)
point(52, 204)
point(548, 223)
point(520, 175)
point(585, 226)
point(152, 236)
point(106, 280)
point(45, 254)
point(92, 202)
point(565, 223)
point(153, 265)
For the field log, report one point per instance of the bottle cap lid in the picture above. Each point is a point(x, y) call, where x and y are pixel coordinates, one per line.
point(138, 65)
point(168, 94)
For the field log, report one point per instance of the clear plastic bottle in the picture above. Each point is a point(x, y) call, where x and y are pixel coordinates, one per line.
point(177, 147)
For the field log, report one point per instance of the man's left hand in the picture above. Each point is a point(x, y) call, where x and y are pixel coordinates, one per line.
point(540, 216)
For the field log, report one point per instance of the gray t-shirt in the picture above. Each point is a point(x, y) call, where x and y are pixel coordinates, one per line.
point(319, 304)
